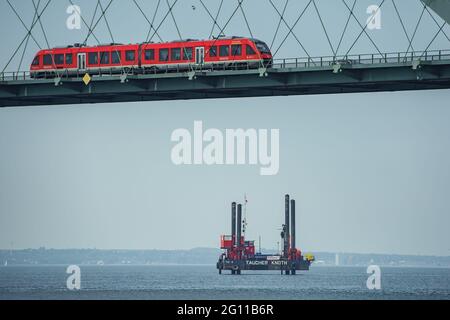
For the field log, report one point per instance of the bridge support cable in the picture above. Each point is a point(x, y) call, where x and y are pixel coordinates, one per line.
point(191, 68)
point(153, 22)
point(103, 14)
point(29, 33)
point(173, 18)
point(437, 23)
point(432, 40)
point(345, 29)
point(106, 21)
point(25, 37)
point(363, 30)
point(89, 26)
point(215, 23)
point(324, 29)
point(215, 19)
point(403, 25)
point(42, 27)
point(304, 11)
point(279, 24)
point(425, 8)
point(57, 73)
point(415, 32)
point(291, 28)
point(245, 18)
point(91, 30)
point(36, 11)
point(222, 29)
point(92, 26)
point(150, 23)
point(94, 15)
point(261, 64)
point(162, 20)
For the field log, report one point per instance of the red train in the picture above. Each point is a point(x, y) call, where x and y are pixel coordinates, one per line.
point(224, 53)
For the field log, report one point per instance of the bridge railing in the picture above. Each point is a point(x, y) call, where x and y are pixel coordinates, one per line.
point(304, 62)
point(393, 57)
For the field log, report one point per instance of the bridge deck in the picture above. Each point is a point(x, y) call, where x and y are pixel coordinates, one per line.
point(286, 77)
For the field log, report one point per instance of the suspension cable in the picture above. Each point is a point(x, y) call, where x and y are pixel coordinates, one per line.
point(279, 24)
point(432, 40)
point(323, 27)
point(162, 21)
point(47, 42)
point(223, 28)
point(90, 30)
point(42, 28)
point(215, 19)
point(152, 23)
point(363, 30)
point(401, 22)
point(23, 23)
point(245, 17)
point(291, 29)
point(345, 29)
point(145, 16)
point(106, 21)
point(415, 31)
point(94, 15)
point(212, 18)
point(174, 20)
point(23, 40)
point(437, 23)
point(28, 38)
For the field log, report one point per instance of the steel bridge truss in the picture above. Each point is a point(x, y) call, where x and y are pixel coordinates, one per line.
point(340, 72)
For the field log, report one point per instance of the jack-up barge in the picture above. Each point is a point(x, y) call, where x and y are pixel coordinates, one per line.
point(240, 254)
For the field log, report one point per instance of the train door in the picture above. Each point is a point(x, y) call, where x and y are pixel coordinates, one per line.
point(199, 55)
point(81, 61)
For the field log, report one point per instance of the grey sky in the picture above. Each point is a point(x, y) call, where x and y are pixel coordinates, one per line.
point(369, 171)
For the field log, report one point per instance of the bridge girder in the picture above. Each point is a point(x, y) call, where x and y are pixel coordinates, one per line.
point(229, 84)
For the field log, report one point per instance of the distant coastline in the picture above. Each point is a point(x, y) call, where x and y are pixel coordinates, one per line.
point(196, 256)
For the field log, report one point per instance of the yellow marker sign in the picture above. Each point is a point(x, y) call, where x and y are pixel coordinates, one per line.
point(86, 79)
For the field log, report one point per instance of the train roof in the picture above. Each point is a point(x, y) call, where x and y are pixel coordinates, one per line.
point(83, 45)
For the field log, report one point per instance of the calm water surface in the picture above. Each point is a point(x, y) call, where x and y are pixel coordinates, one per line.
point(203, 282)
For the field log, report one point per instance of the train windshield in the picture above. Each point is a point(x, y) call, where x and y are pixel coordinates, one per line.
point(262, 47)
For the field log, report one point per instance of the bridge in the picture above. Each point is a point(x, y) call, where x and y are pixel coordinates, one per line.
point(349, 73)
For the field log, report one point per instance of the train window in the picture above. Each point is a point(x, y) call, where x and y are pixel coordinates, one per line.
point(115, 57)
point(224, 51)
point(249, 50)
point(213, 51)
point(163, 54)
point(236, 50)
point(130, 55)
point(149, 54)
point(59, 58)
point(187, 53)
point(93, 57)
point(69, 58)
point(104, 57)
point(48, 60)
point(35, 61)
point(175, 54)
point(262, 47)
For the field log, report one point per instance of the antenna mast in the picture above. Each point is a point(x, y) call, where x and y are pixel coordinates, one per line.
point(244, 221)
